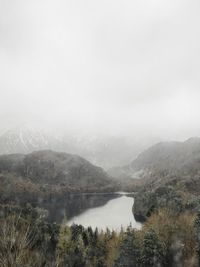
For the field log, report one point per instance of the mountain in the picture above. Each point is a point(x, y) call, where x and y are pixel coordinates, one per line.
point(27, 139)
point(101, 150)
point(41, 175)
point(55, 168)
point(167, 175)
point(170, 157)
point(105, 151)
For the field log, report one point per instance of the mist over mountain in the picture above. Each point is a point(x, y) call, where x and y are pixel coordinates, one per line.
point(102, 150)
point(99, 109)
point(167, 175)
point(171, 157)
point(26, 139)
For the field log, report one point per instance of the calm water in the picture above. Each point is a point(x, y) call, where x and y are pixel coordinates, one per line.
point(113, 214)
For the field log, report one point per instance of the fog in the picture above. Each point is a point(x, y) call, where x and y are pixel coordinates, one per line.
point(107, 67)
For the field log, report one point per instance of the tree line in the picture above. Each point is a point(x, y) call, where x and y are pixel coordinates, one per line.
point(166, 239)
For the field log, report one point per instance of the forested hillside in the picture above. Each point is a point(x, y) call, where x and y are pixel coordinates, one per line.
point(46, 174)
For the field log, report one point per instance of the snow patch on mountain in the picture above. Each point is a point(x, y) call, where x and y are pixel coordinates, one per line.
point(28, 139)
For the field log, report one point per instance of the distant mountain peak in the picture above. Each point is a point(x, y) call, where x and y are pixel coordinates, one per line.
point(166, 156)
point(26, 139)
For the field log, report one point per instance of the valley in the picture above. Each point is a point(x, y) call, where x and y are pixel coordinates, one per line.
point(67, 196)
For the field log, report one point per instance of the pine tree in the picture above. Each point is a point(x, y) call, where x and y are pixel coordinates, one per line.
point(71, 249)
point(128, 252)
point(152, 252)
point(79, 253)
point(197, 229)
point(64, 247)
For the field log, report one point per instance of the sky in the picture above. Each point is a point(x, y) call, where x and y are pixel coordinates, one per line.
point(111, 67)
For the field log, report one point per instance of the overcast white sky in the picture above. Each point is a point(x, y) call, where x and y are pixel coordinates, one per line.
point(130, 66)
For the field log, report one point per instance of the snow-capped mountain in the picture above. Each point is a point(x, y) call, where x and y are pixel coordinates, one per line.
point(103, 151)
point(27, 139)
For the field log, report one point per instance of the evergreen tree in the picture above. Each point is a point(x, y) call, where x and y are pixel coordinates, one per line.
point(64, 247)
point(152, 252)
point(71, 249)
point(197, 230)
point(79, 253)
point(128, 252)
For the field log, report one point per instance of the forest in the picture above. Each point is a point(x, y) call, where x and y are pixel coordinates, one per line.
point(166, 239)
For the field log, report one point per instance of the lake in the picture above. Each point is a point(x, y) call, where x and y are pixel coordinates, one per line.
point(114, 213)
point(101, 210)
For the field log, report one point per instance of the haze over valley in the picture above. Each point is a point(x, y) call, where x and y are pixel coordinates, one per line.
point(99, 133)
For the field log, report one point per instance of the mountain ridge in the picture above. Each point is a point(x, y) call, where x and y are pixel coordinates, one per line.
point(102, 150)
point(171, 156)
point(49, 176)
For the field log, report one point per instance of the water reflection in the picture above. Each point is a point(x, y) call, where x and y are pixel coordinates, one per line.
point(74, 204)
